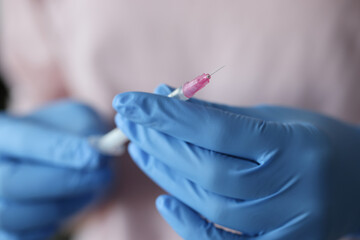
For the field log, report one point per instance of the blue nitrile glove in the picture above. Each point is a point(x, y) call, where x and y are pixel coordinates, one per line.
point(48, 171)
point(269, 172)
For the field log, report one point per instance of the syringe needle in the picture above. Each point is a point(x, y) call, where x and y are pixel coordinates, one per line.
point(217, 70)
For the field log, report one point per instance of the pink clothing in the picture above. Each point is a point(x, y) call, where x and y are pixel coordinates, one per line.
point(303, 53)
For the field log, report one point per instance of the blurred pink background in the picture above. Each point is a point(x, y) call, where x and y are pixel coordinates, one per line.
point(302, 53)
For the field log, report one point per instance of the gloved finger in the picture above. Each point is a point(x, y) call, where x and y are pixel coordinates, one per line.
point(26, 216)
point(164, 89)
point(27, 140)
point(296, 228)
point(206, 127)
point(71, 116)
point(188, 224)
point(37, 182)
point(255, 112)
point(249, 217)
point(214, 171)
point(40, 234)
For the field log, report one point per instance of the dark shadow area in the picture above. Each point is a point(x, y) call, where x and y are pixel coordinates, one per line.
point(3, 94)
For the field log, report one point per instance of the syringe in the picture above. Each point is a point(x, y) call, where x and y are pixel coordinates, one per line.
point(113, 142)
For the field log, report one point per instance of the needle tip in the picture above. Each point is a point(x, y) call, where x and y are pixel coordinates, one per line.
point(217, 70)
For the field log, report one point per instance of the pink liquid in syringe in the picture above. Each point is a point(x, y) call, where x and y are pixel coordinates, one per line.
point(190, 88)
point(193, 86)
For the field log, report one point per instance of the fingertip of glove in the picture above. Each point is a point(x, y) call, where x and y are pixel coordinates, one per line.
point(163, 89)
point(163, 202)
point(122, 99)
point(124, 106)
point(144, 108)
point(127, 99)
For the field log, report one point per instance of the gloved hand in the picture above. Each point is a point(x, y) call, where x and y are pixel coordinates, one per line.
point(269, 172)
point(48, 171)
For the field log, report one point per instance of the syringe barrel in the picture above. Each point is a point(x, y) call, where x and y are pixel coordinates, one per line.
point(190, 88)
point(111, 143)
point(178, 94)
